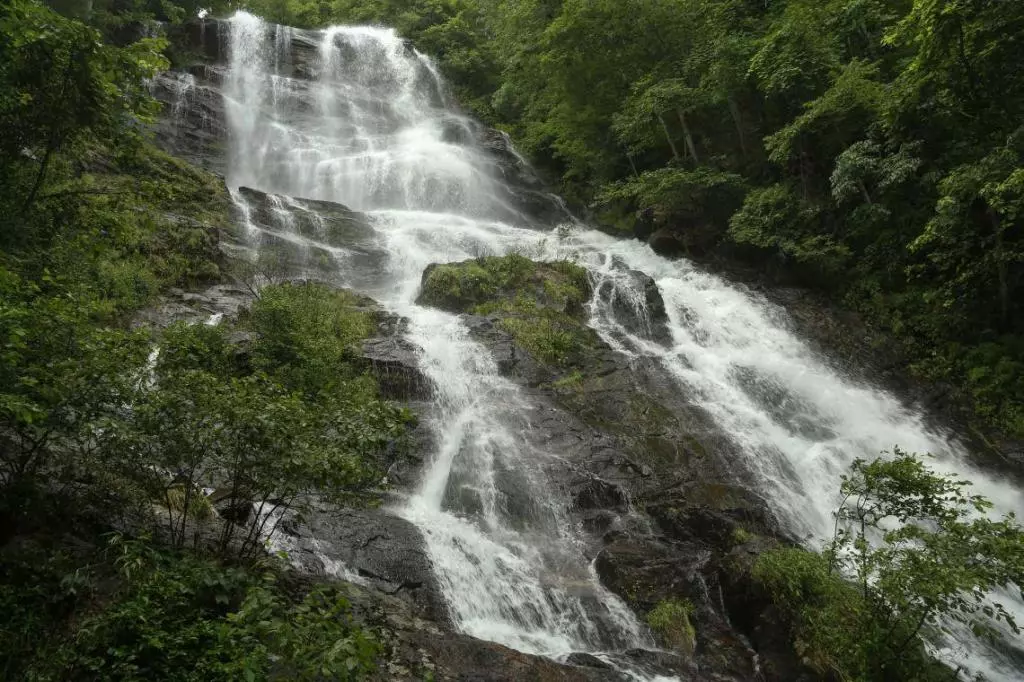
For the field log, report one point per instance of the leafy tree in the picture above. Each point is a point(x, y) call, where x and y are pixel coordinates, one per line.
point(913, 555)
point(776, 219)
point(61, 378)
point(296, 418)
point(676, 195)
point(965, 64)
point(973, 242)
point(829, 123)
point(180, 618)
point(62, 89)
point(797, 56)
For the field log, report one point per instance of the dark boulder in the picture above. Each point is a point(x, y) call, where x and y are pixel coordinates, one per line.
point(637, 305)
point(195, 307)
point(709, 512)
point(595, 494)
point(667, 242)
point(587, 661)
point(645, 224)
point(647, 570)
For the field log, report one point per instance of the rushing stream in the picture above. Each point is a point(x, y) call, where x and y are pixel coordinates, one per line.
point(366, 123)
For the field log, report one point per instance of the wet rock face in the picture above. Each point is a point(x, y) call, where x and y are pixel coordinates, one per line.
point(417, 648)
point(649, 477)
point(305, 236)
point(195, 307)
point(710, 512)
point(369, 545)
point(192, 125)
point(524, 189)
point(395, 363)
point(645, 315)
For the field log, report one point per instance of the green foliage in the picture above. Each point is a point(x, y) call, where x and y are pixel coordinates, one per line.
point(846, 107)
point(913, 552)
point(671, 620)
point(775, 219)
point(296, 417)
point(61, 374)
point(62, 89)
point(682, 196)
point(40, 587)
point(572, 382)
point(165, 616)
point(308, 335)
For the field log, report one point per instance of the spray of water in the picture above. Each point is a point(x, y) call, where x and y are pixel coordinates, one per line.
point(355, 116)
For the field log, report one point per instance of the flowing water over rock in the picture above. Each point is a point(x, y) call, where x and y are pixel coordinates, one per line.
point(354, 115)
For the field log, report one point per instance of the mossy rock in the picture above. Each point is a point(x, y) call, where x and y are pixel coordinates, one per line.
point(494, 281)
point(671, 621)
point(542, 305)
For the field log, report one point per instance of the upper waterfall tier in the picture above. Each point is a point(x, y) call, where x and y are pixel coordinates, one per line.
point(321, 113)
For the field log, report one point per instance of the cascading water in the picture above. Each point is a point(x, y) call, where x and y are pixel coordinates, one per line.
point(368, 129)
point(362, 120)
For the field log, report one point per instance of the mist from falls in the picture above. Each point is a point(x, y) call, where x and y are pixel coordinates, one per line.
point(367, 124)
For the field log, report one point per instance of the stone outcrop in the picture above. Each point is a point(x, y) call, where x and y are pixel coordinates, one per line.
point(303, 238)
point(523, 188)
point(645, 316)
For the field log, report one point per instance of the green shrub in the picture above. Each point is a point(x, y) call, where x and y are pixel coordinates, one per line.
point(671, 620)
point(307, 335)
point(181, 618)
point(40, 588)
point(572, 381)
point(549, 338)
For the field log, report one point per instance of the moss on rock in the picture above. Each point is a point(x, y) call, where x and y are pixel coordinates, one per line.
point(542, 305)
point(670, 620)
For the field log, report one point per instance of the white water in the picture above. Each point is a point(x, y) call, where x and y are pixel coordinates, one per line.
point(368, 126)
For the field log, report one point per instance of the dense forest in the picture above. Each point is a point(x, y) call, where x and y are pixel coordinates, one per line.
point(870, 149)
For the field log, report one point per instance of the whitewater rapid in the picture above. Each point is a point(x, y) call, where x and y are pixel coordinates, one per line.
point(367, 123)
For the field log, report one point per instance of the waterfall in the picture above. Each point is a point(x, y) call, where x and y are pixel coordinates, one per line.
point(354, 115)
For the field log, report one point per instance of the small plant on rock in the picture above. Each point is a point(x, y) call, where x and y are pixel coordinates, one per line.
point(670, 619)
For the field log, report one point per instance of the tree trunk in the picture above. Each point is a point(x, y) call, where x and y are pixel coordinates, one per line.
point(737, 120)
point(864, 191)
point(632, 164)
point(1004, 287)
point(686, 134)
point(40, 177)
point(668, 136)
